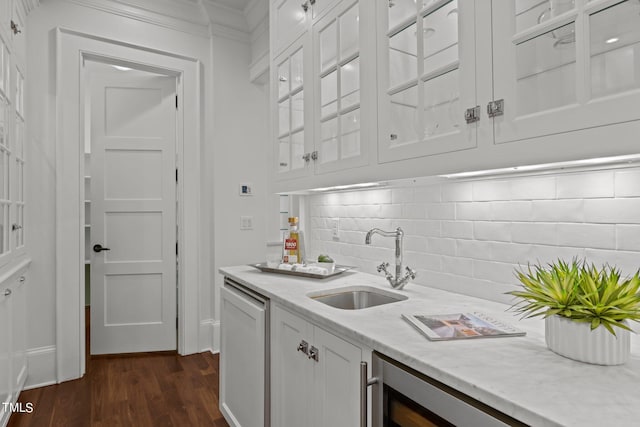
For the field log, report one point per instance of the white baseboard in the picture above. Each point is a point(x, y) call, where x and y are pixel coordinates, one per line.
point(207, 333)
point(42, 367)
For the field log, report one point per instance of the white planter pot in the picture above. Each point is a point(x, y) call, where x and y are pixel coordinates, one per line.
point(577, 341)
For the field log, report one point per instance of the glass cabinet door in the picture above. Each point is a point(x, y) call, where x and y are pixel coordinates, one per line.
point(338, 78)
point(290, 126)
point(562, 65)
point(427, 80)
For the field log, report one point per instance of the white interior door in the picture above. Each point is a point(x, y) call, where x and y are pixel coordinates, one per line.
point(133, 213)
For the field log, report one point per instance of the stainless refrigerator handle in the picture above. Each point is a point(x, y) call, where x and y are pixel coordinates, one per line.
point(364, 384)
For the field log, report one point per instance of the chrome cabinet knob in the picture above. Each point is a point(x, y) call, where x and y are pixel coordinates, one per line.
point(7, 292)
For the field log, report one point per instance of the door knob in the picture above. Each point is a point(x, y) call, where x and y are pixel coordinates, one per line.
point(98, 248)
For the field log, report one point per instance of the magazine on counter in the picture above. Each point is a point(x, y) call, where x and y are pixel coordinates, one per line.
point(441, 327)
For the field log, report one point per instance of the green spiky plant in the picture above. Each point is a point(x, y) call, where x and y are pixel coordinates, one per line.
point(580, 292)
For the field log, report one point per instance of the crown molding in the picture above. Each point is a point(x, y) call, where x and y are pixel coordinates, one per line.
point(137, 12)
point(256, 12)
point(226, 21)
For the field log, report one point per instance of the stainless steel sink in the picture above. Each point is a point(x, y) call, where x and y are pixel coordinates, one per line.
point(357, 298)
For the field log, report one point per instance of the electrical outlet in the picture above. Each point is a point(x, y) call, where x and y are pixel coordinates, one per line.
point(246, 223)
point(334, 226)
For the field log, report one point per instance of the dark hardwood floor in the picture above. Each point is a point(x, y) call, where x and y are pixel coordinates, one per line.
point(143, 389)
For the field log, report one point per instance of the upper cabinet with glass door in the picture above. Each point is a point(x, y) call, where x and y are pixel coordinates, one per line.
point(339, 104)
point(563, 65)
point(293, 138)
point(426, 78)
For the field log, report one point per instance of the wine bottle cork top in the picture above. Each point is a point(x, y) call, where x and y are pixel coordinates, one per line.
point(293, 220)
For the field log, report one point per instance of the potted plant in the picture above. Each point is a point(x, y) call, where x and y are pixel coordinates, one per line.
point(586, 309)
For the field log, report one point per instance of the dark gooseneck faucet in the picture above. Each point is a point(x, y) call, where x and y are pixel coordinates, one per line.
point(396, 282)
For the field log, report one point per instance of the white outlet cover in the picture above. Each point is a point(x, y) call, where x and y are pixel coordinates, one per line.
point(334, 225)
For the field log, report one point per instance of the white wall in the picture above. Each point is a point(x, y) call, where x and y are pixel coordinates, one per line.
point(468, 237)
point(229, 99)
point(241, 126)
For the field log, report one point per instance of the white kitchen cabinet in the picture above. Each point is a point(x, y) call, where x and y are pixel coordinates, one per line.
point(291, 93)
point(13, 318)
point(323, 119)
point(564, 65)
point(242, 357)
point(426, 80)
point(314, 376)
point(289, 20)
point(343, 123)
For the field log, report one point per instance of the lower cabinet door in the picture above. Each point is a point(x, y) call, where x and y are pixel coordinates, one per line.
point(336, 381)
point(291, 369)
point(19, 333)
point(242, 360)
point(315, 375)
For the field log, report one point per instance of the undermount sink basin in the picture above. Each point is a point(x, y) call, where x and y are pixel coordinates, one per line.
point(356, 298)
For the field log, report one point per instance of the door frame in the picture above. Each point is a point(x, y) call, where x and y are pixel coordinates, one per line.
point(71, 49)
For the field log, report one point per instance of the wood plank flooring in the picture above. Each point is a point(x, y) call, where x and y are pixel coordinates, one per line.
point(142, 389)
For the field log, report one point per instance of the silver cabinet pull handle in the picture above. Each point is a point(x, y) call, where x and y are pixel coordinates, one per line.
point(304, 347)
point(364, 384)
point(314, 354)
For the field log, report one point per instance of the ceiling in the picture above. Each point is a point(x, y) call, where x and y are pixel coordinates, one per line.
point(234, 4)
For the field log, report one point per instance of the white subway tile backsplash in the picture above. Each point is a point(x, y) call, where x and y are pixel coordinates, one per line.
point(587, 235)
point(439, 245)
point(422, 261)
point(402, 195)
point(473, 211)
point(614, 211)
point(469, 236)
point(495, 231)
point(512, 211)
point(628, 237)
point(627, 183)
point(429, 228)
point(533, 188)
point(427, 194)
point(414, 211)
point(457, 229)
point(491, 190)
point(494, 271)
point(558, 210)
point(457, 192)
point(535, 232)
point(390, 211)
point(473, 249)
point(512, 252)
point(441, 210)
point(585, 185)
point(458, 265)
point(627, 262)
point(542, 254)
point(415, 243)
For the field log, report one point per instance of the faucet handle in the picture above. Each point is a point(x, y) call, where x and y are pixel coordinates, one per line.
point(383, 267)
point(411, 272)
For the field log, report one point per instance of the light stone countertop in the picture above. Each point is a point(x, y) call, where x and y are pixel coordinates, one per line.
point(518, 376)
